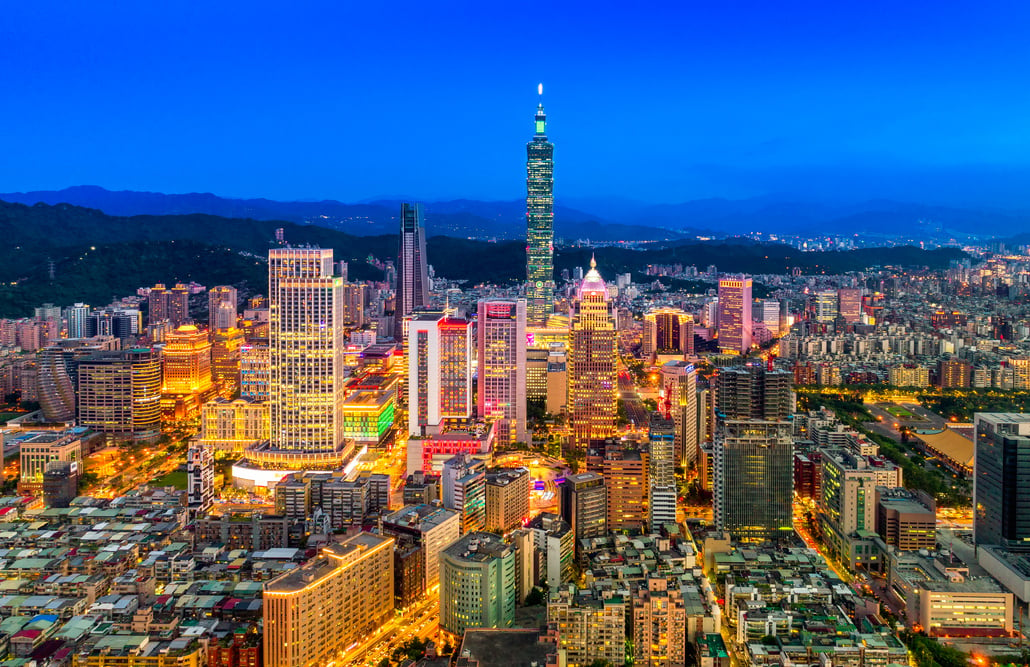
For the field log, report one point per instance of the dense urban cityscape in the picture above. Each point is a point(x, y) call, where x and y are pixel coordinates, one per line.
point(679, 466)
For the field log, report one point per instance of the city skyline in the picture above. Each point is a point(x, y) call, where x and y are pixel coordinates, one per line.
point(851, 106)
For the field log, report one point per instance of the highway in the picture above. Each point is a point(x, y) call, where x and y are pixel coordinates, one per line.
point(419, 621)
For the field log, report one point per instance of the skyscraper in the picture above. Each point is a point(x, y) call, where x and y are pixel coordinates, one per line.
point(592, 362)
point(753, 392)
point(501, 377)
point(305, 351)
point(825, 304)
point(439, 371)
point(850, 304)
point(120, 392)
point(187, 381)
point(583, 504)
point(668, 331)
point(77, 316)
point(679, 394)
point(1001, 499)
point(661, 472)
point(754, 479)
point(412, 268)
point(221, 307)
point(540, 221)
point(735, 314)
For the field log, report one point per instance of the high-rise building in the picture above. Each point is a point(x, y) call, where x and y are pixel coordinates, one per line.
point(313, 613)
point(477, 584)
point(200, 479)
point(583, 504)
point(507, 498)
point(754, 479)
point(590, 628)
point(187, 381)
point(661, 472)
point(76, 316)
point(58, 373)
point(169, 304)
point(850, 304)
point(305, 352)
point(625, 471)
point(120, 392)
point(439, 371)
point(591, 364)
point(540, 222)
point(501, 396)
point(412, 266)
point(226, 354)
point(825, 303)
point(679, 399)
point(354, 304)
point(1001, 496)
point(668, 331)
point(771, 317)
point(255, 374)
point(221, 307)
point(847, 500)
point(659, 624)
point(464, 490)
point(952, 373)
point(40, 450)
point(735, 314)
point(434, 528)
point(754, 393)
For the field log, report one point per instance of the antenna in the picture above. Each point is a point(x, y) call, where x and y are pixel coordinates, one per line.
point(540, 89)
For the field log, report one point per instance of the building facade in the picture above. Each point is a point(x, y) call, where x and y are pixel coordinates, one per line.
point(501, 376)
point(540, 222)
point(591, 363)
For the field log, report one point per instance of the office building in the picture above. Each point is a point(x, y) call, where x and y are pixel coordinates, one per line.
point(501, 376)
point(540, 222)
point(825, 306)
point(754, 393)
point(625, 472)
point(668, 331)
point(771, 317)
point(734, 315)
point(1001, 496)
point(754, 481)
point(661, 472)
point(187, 381)
point(58, 373)
point(554, 546)
point(439, 372)
point(354, 295)
point(231, 425)
point(312, 614)
point(591, 363)
point(850, 304)
point(953, 373)
point(906, 519)
point(226, 358)
point(120, 393)
point(464, 490)
point(40, 450)
point(477, 584)
point(583, 503)
point(434, 528)
point(507, 498)
point(412, 267)
point(221, 307)
point(305, 354)
point(679, 399)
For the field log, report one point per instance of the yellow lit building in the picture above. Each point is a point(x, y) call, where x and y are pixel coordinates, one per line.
point(232, 425)
point(226, 353)
point(591, 362)
point(668, 331)
point(120, 393)
point(313, 613)
point(141, 650)
point(187, 382)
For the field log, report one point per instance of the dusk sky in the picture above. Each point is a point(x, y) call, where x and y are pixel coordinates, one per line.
point(659, 102)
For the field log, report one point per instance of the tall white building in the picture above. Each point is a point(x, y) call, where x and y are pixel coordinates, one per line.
point(661, 472)
point(679, 390)
point(439, 371)
point(305, 303)
point(501, 376)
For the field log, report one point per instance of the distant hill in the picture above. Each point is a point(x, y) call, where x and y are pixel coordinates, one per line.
point(98, 256)
point(464, 218)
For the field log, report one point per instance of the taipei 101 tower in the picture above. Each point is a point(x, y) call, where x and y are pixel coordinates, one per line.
point(539, 222)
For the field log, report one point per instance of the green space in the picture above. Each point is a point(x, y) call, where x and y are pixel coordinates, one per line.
point(176, 478)
point(961, 404)
point(898, 411)
point(941, 484)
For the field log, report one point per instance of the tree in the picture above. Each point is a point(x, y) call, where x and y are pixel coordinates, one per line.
point(535, 597)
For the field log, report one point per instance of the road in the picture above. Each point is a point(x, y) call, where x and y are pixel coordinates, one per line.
point(636, 412)
point(419, 621)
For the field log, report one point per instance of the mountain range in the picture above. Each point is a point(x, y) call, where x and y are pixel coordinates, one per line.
point(599, 219)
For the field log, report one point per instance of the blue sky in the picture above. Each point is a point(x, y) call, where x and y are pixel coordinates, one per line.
point(659, 102)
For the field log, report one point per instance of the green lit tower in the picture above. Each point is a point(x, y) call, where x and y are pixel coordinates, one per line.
point(540, 221)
